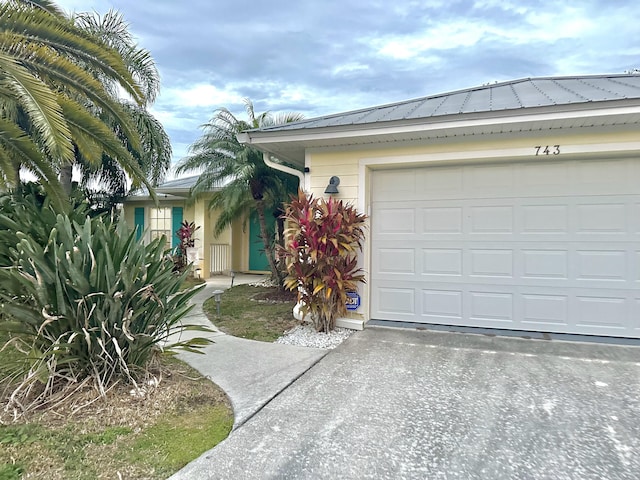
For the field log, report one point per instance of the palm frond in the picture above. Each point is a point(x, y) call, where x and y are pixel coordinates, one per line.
point(36, 26)
point(46, 5)
point(40, 104)
point(18, 147)
point(92, 128)
point(113, 30)
point(79, 82)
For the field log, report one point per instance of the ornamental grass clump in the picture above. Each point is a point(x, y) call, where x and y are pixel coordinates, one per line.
point(323, 239)
point(89, 305)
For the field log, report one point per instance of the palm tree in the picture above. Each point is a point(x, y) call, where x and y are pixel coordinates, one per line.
point(243, 182)
point(49, 97)
point(154, 154)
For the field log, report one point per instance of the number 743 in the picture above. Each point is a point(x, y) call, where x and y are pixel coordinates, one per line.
point(547, 150)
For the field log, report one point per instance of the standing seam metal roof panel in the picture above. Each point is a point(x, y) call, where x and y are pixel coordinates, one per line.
point(512, 95)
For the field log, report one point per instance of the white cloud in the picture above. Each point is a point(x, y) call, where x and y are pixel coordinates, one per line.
point(348, 68)
point(535, 27)
point(200, 95)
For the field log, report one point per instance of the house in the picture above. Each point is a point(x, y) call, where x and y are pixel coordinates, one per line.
point(513, 205)
point(239, 248)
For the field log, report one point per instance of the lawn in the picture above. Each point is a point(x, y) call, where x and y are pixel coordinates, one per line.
point(122, 436)
point(253, 312)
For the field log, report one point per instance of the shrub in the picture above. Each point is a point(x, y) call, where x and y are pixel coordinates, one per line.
point(27, 209)
point(185, 234)
point(89, 304)
point(323, 239)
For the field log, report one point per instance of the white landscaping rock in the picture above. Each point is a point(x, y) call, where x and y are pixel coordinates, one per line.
point(306, 336)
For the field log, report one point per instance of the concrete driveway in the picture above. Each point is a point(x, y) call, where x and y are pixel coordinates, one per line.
point(395, 403)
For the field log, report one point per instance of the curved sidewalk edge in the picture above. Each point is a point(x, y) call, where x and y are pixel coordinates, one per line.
point(250, 372)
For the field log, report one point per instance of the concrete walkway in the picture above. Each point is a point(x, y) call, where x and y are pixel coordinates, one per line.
point(250, 372)
point(400, 403)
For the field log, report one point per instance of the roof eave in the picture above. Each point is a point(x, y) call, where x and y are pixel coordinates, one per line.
point(271, 141)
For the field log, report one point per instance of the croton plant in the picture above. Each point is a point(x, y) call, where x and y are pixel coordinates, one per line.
point(323, 238)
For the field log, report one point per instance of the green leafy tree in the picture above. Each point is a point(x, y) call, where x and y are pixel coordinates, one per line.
point(53, 98)
point(243, 182)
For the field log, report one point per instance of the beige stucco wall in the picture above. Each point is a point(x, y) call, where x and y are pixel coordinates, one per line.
point(355, 164)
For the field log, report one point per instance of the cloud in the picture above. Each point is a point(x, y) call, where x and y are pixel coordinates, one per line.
point(201, 95)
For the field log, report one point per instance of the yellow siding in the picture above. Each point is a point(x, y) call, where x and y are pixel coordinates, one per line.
point(345, 164)
point(128, 212)
point(199, 214)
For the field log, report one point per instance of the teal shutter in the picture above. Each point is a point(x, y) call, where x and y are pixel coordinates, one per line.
point(139, 221)
point(176, 221)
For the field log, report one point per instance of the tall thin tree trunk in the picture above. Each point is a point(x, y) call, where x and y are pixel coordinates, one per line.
point(268, 248)
point(66, 174)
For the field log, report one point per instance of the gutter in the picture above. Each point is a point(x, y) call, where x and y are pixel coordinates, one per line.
point(283, 168)
point(245, 139)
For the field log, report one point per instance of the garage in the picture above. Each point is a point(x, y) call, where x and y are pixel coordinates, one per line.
point(512, 205)
point(550, 246)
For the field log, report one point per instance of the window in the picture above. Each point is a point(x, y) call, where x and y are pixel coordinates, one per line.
point(160, 222)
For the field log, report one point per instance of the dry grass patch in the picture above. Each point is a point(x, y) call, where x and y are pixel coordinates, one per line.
point(124, 435)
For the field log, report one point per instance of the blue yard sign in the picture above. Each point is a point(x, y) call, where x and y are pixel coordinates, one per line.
point(353, 300)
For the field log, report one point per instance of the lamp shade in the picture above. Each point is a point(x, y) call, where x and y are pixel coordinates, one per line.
point(333, 185)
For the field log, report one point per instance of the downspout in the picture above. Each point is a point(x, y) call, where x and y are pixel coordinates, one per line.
point(245, 139)
point(283, 168)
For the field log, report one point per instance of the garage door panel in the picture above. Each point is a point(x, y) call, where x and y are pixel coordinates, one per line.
point(491, 263)
point(601, 312)
point(393, 221)
point(442, 261)
point(545, 264)
point(602, 218)
point(550, 178)
point(441, 182)
point(439, 304)
point(491, 219)
point(493, 306)
point(545, 219)
point(524, 247)
point(396, 302)
point(540, 311)
point(442, 220)
point(493, 180)
point(396, 261)
point(601, 265)
point(386, 186)
point(597, 177)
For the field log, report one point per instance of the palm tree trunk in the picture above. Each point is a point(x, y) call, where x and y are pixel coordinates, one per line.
point(268, 248)
point(66, 174)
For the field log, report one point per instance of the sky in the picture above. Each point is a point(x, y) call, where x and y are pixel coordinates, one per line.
point(327, 56)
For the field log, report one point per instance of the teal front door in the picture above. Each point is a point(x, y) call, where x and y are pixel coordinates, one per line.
point(257, 258)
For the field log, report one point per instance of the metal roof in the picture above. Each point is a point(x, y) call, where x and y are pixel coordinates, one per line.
point(496, 97)
point(177, 189)
point(179, 183)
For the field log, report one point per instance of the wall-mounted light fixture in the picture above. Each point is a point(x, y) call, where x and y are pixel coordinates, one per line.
point(333, 185)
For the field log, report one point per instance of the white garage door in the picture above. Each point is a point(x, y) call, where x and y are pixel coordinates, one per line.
point(539, 246)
